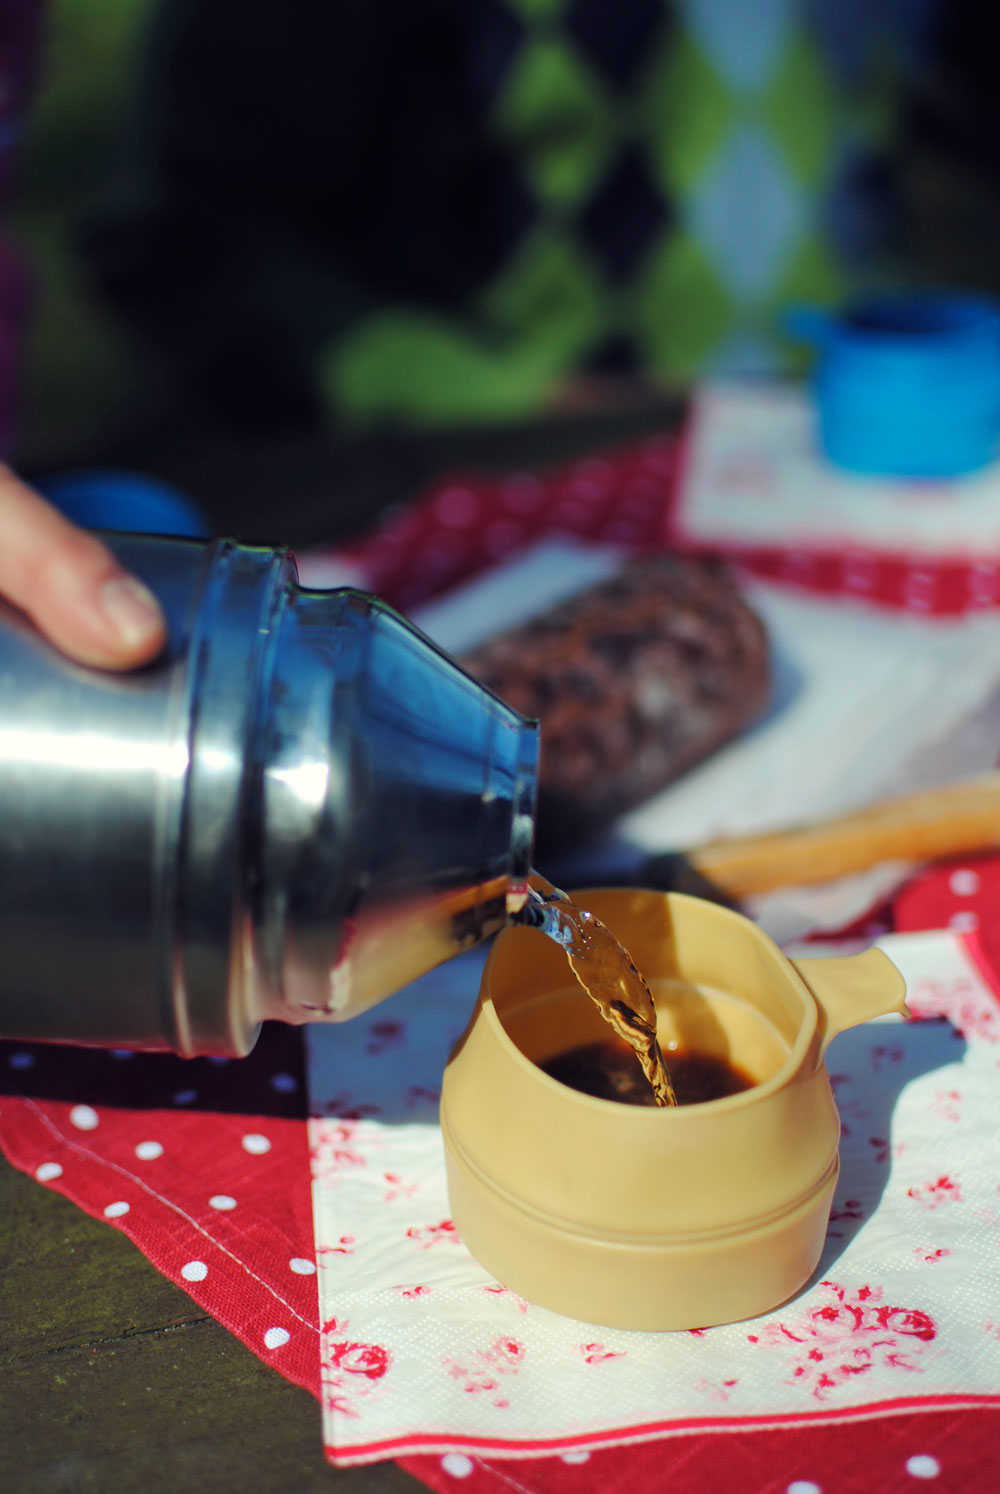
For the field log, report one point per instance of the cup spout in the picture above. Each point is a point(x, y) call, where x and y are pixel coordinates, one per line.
point(851, 989)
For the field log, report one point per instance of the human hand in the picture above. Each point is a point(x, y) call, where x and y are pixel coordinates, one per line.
point(71, 586)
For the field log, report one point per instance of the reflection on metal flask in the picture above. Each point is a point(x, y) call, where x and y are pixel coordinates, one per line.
point(301, 807)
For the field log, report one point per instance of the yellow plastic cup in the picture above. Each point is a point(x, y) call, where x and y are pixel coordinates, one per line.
point(631, 1217)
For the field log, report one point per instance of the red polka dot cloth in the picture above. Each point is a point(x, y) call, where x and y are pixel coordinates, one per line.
point(640, 497)
point(953, 1453)
point(203, 1163)
point(205, 1166)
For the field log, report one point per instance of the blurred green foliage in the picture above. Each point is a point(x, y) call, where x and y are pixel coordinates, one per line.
point(78, 379)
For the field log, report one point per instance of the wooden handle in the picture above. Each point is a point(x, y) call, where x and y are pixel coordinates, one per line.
point(951, 820)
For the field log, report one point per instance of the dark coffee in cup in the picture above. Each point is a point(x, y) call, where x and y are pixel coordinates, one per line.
point(609, 1071)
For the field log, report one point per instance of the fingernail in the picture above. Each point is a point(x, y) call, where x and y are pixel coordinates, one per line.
point(131, 609)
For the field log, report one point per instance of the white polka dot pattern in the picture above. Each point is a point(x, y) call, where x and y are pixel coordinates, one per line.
point(84, 1118)
point(456, 507)
point(276, 1338)
point(194, 1271)
point(457, 1464)
point(921, 1465)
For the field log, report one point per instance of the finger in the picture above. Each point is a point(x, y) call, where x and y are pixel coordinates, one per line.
point(71, 586)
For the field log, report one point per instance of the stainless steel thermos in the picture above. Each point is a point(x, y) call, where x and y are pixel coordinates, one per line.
point(300, 807)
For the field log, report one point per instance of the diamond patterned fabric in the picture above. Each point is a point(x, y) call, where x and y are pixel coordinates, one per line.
point(450, 212)
point(691, 169)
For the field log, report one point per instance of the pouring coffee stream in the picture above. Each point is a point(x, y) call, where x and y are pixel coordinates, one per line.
point(607, 974)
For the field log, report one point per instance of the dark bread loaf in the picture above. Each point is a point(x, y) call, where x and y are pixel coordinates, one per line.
point(634, 681)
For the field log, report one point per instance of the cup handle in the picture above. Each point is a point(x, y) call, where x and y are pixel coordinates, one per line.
point(849, 989)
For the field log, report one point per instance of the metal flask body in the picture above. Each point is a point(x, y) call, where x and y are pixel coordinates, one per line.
point(301, 807)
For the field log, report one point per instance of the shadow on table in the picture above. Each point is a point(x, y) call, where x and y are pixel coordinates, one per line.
point(386, 1062)
point(270, 1081)
point(869, 1068)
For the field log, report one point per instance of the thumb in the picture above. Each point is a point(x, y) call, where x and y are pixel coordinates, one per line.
point(71, 586)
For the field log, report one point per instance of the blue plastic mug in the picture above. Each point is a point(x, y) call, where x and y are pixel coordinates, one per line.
point(907, 385)
point(98, 499)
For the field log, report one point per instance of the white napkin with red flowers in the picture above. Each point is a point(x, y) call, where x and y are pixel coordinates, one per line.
point(421, 1350)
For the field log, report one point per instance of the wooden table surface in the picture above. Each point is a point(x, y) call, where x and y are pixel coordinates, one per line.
point(113, 1379)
